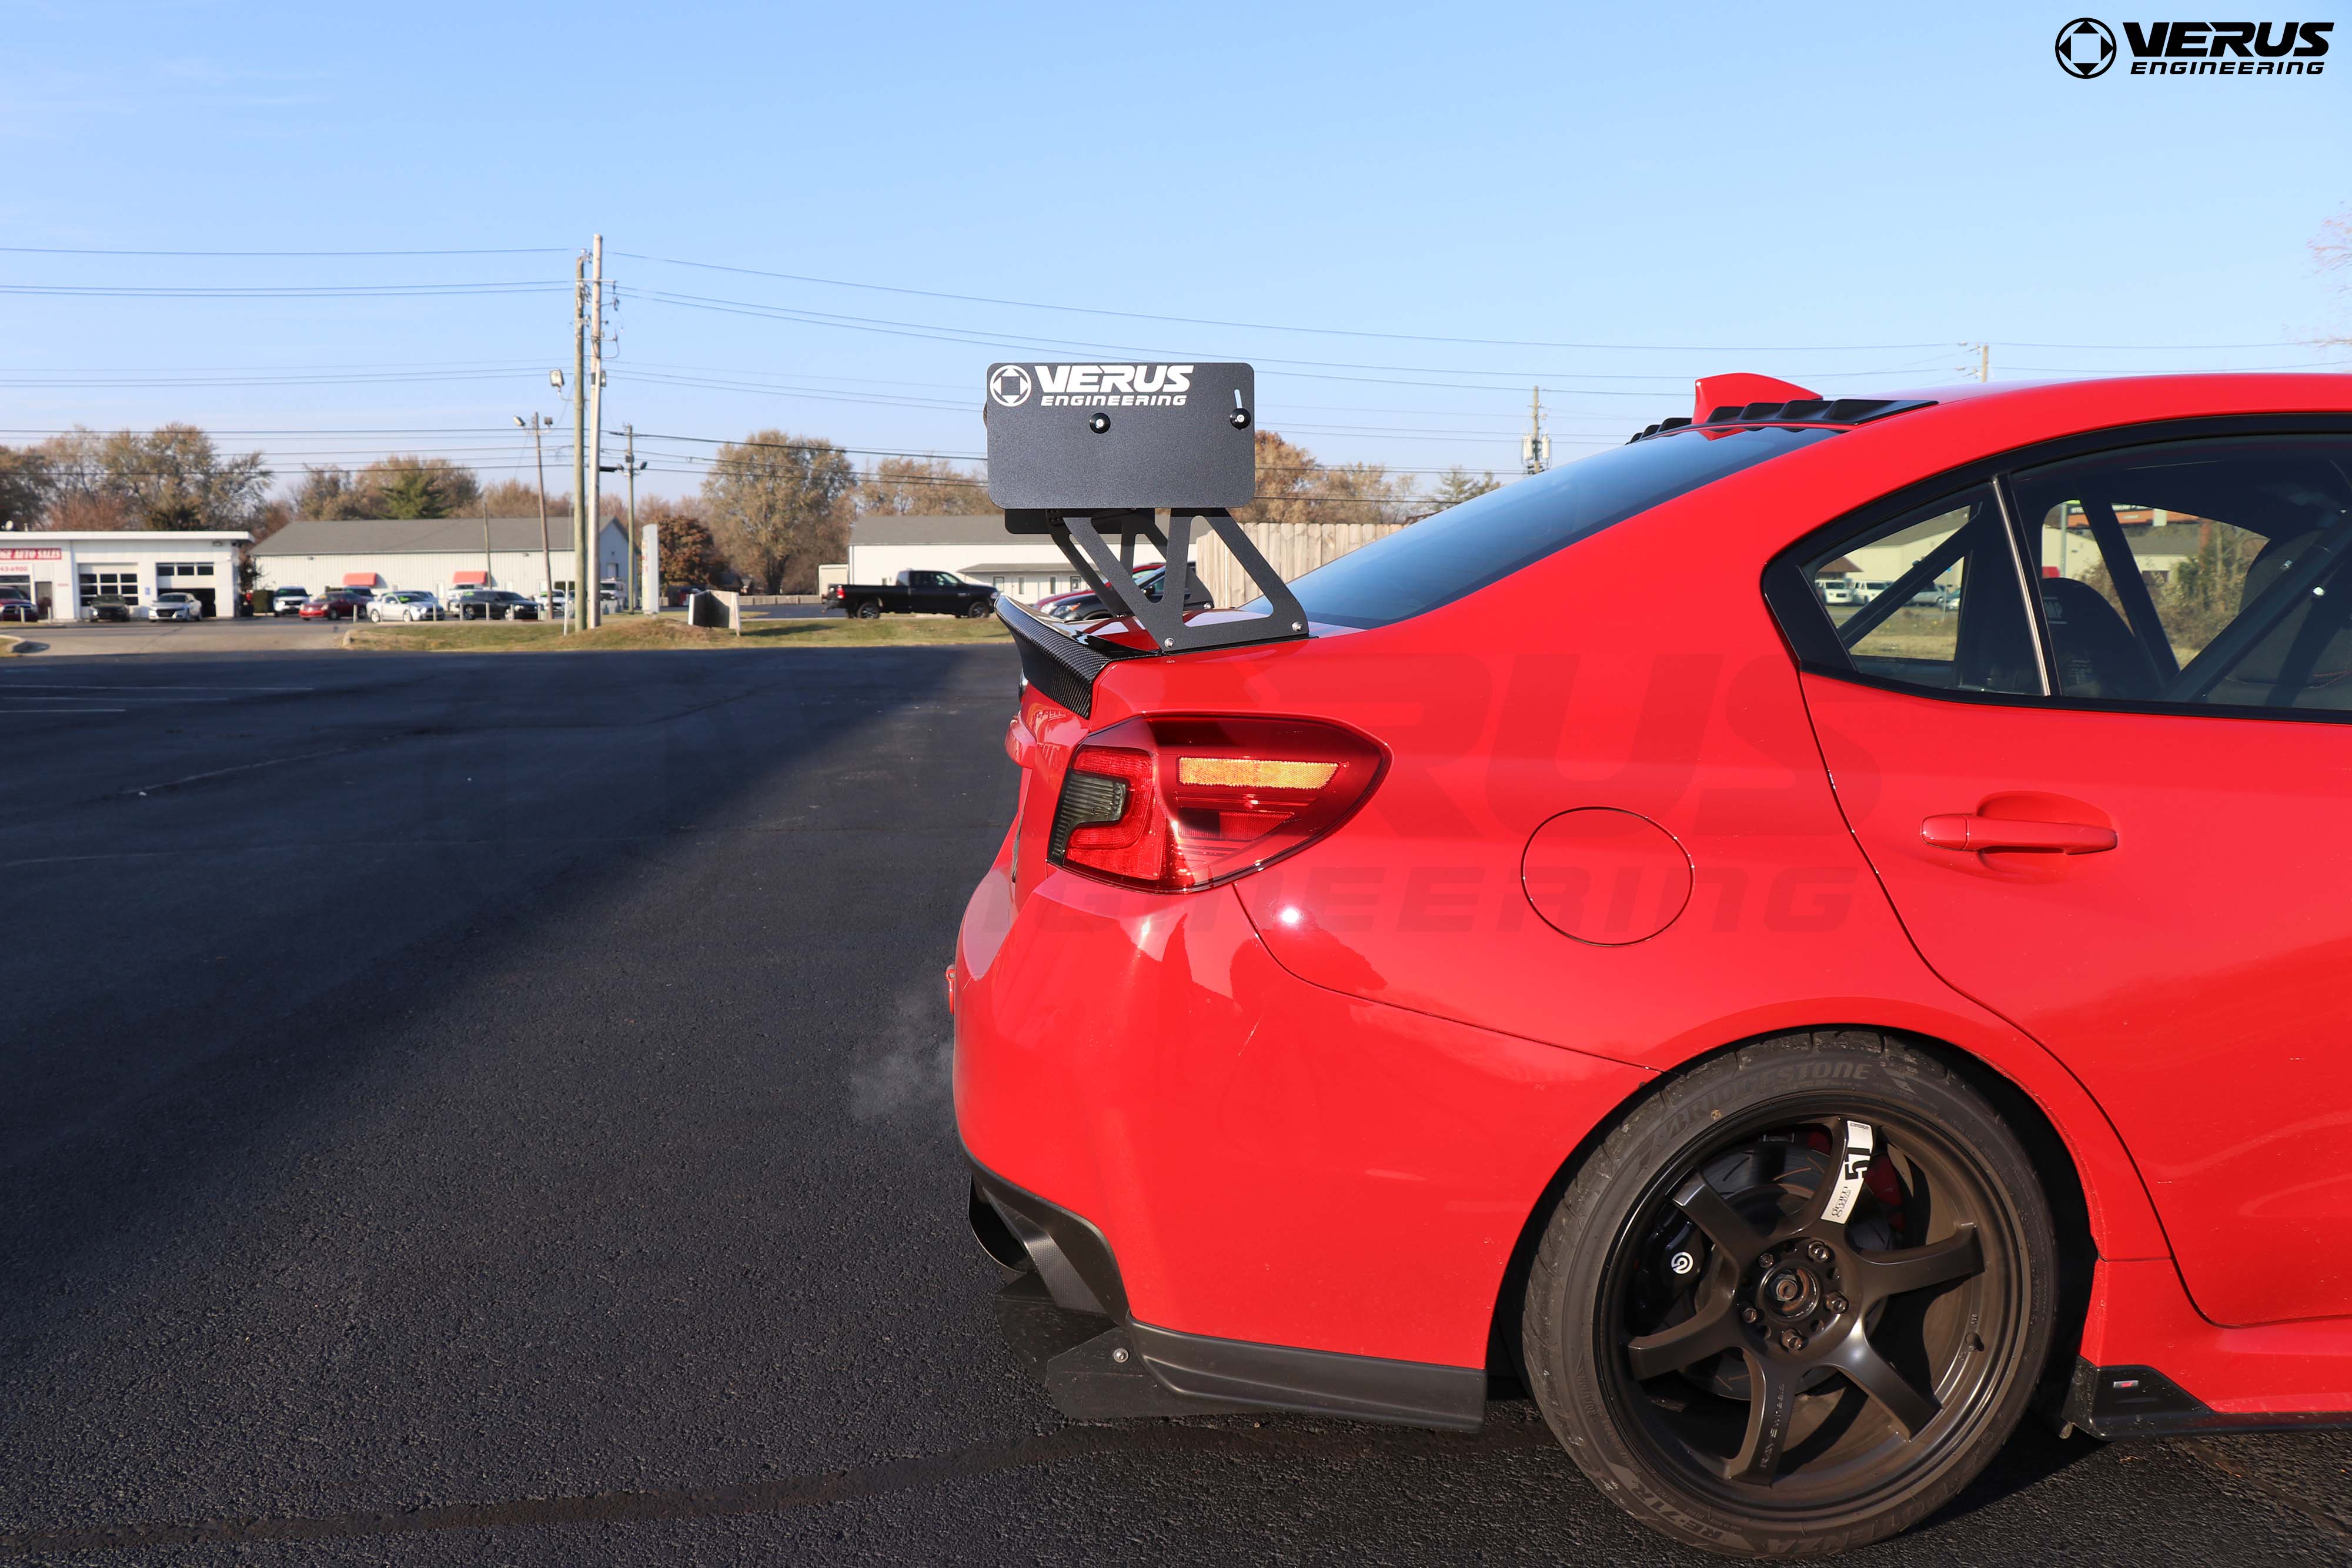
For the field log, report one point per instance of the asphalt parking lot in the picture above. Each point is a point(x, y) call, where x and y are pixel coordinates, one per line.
point(465, 1109)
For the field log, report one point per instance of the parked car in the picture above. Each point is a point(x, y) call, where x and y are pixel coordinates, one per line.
point(1863, 592)
point(493, 604)
point(1792, 1044)
point(108, 607)
point(554, 604)
point(404, 604)
point(289, 600)
point(174, 605)
point(1835, 590)
point(342, 604)
point(914, 593)
point(18, 605)
point(1085, 604)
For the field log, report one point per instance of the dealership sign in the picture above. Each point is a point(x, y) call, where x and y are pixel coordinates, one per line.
point(2087, 47)
point(32, 552)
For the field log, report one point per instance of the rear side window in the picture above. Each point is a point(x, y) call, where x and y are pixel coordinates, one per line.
point(1458, 551)
point(1932, 598)
point(2199, 572)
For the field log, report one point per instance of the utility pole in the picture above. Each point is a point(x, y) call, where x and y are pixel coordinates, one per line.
point(1535, 451)
point(591, 593)
point(1984, 361)
point(539, 459)
point(486, 569)
point(630, 464)
point(579, 439)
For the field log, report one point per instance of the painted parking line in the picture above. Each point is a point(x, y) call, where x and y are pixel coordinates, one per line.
point(240, 767)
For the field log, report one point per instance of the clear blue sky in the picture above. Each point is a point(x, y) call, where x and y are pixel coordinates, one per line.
point(1790, 190)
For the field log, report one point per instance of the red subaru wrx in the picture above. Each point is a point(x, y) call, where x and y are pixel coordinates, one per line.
point(1791, 1022)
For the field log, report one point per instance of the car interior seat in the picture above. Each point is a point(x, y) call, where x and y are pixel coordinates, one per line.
point(2305, 661)
point(2097, 654)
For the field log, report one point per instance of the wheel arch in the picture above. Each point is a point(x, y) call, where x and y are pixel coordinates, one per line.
point(2058, 1164)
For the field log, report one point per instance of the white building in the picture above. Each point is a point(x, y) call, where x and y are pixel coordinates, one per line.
point(1025, 565)
point(440, 555)
point(63, 571)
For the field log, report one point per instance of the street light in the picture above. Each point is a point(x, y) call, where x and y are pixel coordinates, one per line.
point(535, 423)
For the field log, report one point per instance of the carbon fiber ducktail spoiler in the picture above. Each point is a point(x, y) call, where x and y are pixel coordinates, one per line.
point(1075, 450)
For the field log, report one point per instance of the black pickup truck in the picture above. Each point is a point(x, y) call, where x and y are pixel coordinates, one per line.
point(915, 593)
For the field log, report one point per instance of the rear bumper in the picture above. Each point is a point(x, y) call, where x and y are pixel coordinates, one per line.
point(1281, 1197)
point(1065, 1314)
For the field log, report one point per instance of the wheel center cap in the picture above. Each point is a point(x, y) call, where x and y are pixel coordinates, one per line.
point(1790, 1292)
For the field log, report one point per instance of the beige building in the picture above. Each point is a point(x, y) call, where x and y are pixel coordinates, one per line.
point(440, 555)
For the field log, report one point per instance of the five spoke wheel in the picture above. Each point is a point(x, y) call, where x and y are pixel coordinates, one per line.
point(1794, 1298)
point(1797, 1297)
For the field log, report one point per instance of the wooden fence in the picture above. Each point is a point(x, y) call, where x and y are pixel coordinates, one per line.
point(1294, 549)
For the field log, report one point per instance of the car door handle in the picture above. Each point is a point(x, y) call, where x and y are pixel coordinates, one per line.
point(1971, 833)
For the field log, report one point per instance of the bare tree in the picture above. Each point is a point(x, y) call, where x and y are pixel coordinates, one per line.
point(776, 505)
point(401, 485)
point(915, 485)
point(517, 498)
point(170, 478)
point(24, 487)
point(2333, 251)
point(1293, 486)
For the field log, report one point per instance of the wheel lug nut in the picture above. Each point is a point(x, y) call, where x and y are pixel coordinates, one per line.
point(1818, 1252)
point(1765, 1261)
point(1836, 1305)
point(1748, 1314)
point(1791, 1340)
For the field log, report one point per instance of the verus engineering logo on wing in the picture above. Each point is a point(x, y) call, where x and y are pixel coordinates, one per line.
point(1009, 385)
point(2087, 48)
point(1113, 386)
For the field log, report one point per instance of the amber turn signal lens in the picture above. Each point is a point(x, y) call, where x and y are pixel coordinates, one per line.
point(1253, 773)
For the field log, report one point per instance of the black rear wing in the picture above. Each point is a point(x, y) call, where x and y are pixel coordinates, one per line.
point(1057, 663)
point(1075, 451)
point(1063, 664)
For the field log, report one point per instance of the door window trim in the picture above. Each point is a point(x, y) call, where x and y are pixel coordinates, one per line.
point(1811, 637)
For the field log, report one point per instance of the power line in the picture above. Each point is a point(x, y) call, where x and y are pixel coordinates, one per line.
point(65, 250)
point(978, 338)
point(1265, 326)
point(276, 291)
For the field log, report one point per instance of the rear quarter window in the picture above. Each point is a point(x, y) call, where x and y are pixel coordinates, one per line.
point(1461, 550)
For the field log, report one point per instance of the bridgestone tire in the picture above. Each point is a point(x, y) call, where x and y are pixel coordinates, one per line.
point(1573, 1329)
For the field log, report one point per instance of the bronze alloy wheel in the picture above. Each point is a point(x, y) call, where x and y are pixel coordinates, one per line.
point(1797, 1299)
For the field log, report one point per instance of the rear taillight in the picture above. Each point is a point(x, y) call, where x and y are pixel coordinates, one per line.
point(1177, 803)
